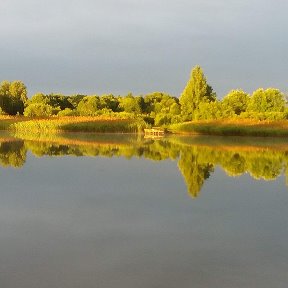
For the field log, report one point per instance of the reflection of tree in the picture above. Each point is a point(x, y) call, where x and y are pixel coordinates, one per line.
point(154, 150)
point(196, 161)
point(12, 154)
point(194, 171)
point(234, 164)
point(267, 166)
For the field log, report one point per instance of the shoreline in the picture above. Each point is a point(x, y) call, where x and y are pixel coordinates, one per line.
point(237, 127)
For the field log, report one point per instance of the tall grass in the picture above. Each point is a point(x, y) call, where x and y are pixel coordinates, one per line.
point(6, 121)
point(104, 124)
point(243, 127)
point(78, 124)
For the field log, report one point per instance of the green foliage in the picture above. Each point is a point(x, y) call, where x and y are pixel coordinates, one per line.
point(56, 102)
point(13, 96)
point(197, 102)
point(95, 105)
point(89, 106)
point(38, 109)
point(131, 104)
point(163, 119)
point(38, 98)
point(75, 100)
point(237, 101)
point(269, 100)
point(18, 91)
point(196, 91)
point(109, 102)
point(213, 110)
point(164, 108)
point(59, 101)
point(175, 108)
point(159, 102)
point(5, 88)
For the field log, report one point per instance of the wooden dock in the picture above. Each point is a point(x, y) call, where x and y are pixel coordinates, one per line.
point(154, 131)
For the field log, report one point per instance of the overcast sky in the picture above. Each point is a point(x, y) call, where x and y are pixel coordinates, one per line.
point(118, 46)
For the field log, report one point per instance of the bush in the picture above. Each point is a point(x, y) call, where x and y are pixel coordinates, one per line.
point(162, 119)
point(38, 109)
point(167, 119)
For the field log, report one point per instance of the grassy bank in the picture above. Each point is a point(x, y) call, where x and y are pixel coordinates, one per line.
point(71, 124)
point(233, 128)
point(241, 127)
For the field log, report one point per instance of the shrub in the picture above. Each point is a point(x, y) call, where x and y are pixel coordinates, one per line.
point(38, 109)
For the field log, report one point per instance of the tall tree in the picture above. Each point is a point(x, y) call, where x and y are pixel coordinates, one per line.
point(196, 91)
point(13, 96)
point(194, 170)
point(18, 91)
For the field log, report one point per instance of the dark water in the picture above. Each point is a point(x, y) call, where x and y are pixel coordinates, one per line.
point(127, 212)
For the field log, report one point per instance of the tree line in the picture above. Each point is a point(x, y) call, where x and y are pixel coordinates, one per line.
point(198, 101)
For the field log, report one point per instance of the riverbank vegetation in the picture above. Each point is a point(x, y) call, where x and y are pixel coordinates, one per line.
point(100, 124)
point(197, 110)
point(234, 127)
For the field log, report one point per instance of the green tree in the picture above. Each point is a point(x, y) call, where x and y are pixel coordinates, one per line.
point(59, 101)
point(213, 110)
point(13, 96)
point(75, 100)
point(109, 102)
point(269, 100)
point(196, 91)
point(38, 110)
point(89, 106)
point(18, 91)
point(130, 104)
point(5, 88)
point(237, 100)
point(39, 98)
point(160, 102)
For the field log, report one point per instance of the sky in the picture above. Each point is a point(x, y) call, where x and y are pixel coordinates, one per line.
point(142, 46)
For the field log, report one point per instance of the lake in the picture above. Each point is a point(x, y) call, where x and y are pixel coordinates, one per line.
point(119, 211)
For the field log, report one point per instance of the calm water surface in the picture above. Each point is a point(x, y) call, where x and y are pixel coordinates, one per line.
point(126, 212)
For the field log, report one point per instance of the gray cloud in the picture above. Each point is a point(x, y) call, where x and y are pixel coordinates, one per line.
point(142, 46)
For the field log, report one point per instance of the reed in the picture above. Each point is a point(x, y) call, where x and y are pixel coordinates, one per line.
point(108, 124)
point(77, 124)
point(243, 127)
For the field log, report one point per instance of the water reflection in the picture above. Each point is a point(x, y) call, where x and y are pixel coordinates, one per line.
point(12, 153)
point(197, 157)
